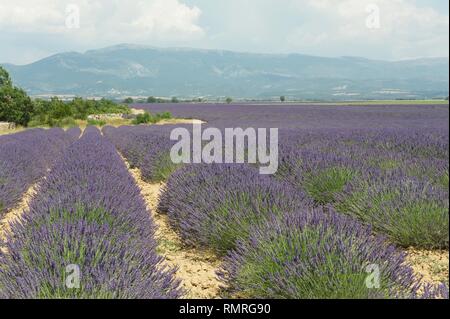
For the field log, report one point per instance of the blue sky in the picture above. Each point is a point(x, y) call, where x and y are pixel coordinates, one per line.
point(377, 29)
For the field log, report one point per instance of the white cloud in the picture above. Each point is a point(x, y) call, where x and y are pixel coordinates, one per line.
point(121, 21)
point(168, 18)
point(318, 27)
point(42, 16)
point(405, 30)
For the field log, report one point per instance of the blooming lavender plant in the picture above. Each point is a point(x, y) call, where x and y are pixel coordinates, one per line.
point(215, 205)
point(24, 158)
point(74, 132)
point(409, 211)
point(312, 254)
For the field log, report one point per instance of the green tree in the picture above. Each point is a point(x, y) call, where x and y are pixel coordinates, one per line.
point(174, 100)
point(15, 105)
point(59, 109)
point(128, 100)
point(282, 98)
point(5, 79)
point(80, 108)
point(151, 99)
point(229, 100)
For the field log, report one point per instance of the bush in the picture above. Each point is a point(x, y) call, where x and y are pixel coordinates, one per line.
point(409, 212)
point(225, 202)
point(128, 100)
point(324, 186)
point(164, 115)
point(74, 133)
point(142, 119)
point(315, 255)
point(157, 166)
point(321, 164)
point(147, 118)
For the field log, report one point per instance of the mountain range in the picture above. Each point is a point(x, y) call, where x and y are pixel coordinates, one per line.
point(133, 70)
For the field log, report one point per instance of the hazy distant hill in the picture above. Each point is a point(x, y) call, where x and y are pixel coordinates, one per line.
point(136, 70)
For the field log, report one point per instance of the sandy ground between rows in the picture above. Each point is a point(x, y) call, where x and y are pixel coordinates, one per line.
point(15, 213)
point(196, 268)
point(432, 265)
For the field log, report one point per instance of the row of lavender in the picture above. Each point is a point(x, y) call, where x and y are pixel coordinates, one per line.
point(25, 157)
point(277, 245)
point(87, 233)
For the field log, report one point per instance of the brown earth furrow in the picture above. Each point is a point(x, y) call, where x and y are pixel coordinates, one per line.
point(15, 213)
point(431, 265)
point(196, 268)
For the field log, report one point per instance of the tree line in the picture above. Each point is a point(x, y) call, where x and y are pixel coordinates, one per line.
point(17, 107)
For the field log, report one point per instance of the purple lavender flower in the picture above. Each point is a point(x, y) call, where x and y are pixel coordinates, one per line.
point(24, 158)
point(215, 205)
point(315, 254)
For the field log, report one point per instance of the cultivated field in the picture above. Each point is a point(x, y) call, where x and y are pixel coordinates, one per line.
point(358, 208)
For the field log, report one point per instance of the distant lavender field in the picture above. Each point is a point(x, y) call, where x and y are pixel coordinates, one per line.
point(310, 116)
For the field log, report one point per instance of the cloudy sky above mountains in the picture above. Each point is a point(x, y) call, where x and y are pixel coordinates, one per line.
point(378, 29)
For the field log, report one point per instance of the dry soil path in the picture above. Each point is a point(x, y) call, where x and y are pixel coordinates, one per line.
point(196, 268)
point(15, 213)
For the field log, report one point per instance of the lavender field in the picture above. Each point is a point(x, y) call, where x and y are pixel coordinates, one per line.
point(358, 189)
point(312, 116)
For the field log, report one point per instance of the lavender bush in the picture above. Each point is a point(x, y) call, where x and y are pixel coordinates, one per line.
point(320, 173)
point(312, 254)
point(215, 205)
point(74, 132)
point(24, 158)
point(88, 213)
point(408, 211)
